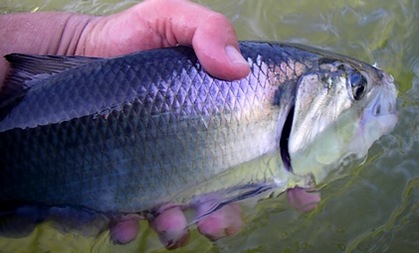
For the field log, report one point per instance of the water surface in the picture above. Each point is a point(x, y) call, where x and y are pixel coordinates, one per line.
point(376, 208)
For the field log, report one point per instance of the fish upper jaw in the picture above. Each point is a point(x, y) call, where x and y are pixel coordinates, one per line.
point(380, 116)
point(389, 92)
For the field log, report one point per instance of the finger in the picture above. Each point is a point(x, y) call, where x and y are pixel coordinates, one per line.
point(303, 200)
point(224, 222)
point(217, 49)
point(124, 229)
point(211, 34)
point(171, 227)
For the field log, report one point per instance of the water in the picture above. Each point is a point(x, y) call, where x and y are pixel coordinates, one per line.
point(376, 208)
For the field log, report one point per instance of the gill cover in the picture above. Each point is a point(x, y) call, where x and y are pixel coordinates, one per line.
point(322, 96)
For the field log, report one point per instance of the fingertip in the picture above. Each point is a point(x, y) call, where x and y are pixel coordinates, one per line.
point(224, 222)
point(234, 55)
point(216, 46)
point(302, 199)
point(211, 34)
point(124, 230)
point(171, 227)
point(237, 61)
point(223, 62)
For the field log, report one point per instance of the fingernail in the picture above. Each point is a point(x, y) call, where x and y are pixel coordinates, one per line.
point(234, 55)
point(221, 223)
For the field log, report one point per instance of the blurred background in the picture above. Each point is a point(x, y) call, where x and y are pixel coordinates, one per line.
point(376, 208)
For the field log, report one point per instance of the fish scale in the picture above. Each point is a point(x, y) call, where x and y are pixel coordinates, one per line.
point(132, 133)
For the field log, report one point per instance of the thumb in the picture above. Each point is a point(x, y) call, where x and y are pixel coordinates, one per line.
point(210, 33)
point(216, 47)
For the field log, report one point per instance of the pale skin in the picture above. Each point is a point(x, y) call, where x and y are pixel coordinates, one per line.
point(150, 24)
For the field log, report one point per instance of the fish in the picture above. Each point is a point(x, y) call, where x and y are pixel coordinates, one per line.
point(132, 133)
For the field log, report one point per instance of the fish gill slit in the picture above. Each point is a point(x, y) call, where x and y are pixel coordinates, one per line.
point(283, 143)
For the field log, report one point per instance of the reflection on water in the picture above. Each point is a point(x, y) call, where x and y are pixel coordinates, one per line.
point(376, 209)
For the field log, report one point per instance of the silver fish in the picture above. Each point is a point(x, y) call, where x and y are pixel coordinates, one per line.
point(132, 133)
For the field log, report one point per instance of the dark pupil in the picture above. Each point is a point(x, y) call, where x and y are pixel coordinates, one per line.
point(358, 85)
point(358, 92)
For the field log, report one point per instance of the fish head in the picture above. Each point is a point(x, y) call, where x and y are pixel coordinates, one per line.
point(340, 110)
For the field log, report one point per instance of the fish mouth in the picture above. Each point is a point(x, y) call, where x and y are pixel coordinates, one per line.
point(284, 140)
point(385, 102)
point(382, 109)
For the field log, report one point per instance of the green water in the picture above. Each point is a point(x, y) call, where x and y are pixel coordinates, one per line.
point(376, 209)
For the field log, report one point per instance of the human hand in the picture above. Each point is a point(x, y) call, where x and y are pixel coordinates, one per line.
point(172, 228)
point(165, 23)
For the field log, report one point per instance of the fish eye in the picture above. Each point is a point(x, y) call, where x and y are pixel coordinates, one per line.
point(358, 84)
